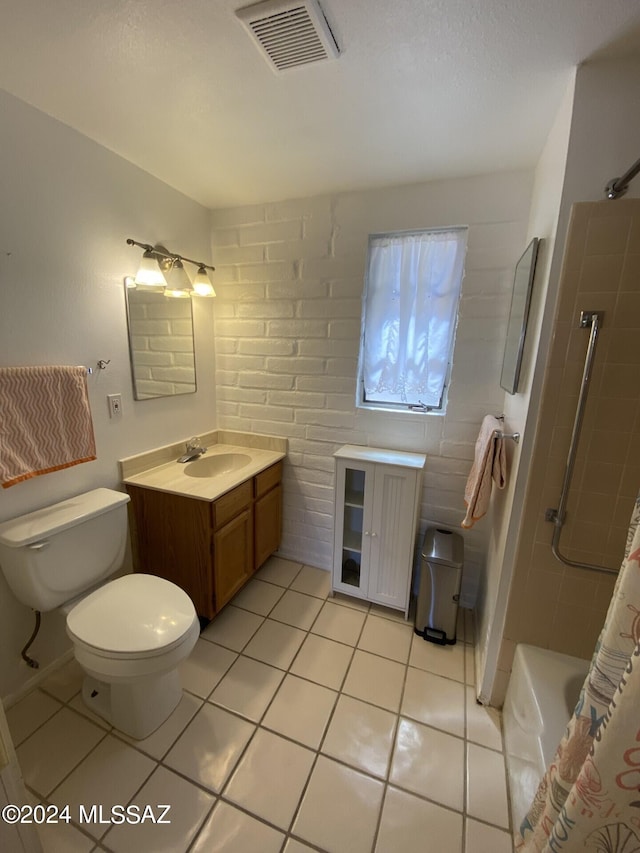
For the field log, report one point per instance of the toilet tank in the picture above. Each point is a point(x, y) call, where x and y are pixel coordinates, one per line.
point(53, 554)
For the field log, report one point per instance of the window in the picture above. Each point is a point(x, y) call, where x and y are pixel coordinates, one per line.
point(410, 308)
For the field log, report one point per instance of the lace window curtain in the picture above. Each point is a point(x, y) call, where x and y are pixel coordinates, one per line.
point(410, 312)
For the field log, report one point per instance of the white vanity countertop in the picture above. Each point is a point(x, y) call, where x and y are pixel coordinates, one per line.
point(402, 458)
point(158, 469)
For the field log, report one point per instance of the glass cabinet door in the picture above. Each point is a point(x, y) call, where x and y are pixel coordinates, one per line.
point(352, 529)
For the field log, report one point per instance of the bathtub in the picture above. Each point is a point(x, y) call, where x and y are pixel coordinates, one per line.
point(542, 693)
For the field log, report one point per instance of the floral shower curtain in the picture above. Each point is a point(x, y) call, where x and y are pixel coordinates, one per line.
point(589, 799)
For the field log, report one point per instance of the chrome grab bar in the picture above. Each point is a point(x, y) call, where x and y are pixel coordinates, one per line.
point(593, 320)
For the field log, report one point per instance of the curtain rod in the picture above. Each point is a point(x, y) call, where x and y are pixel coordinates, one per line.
point(617, 187)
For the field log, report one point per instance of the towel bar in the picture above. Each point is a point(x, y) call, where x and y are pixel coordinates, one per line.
point(514, 436)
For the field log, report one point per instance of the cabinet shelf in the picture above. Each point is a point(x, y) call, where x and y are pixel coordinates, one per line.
point(354, 499)
point(352, 541)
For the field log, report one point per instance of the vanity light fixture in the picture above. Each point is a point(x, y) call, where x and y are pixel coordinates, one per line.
point(164, 271)
point(202, 283)
point(149, 273)
point(178, 282)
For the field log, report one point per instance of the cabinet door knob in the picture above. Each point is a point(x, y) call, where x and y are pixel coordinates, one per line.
point(366, 533)
point(374, 534)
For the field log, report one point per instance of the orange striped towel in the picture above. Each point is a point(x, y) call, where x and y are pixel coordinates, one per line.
point(489, 464)
point(45, 421)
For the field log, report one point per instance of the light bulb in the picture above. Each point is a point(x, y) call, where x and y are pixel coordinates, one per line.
point(202, 284)
point(178, 282)
point(149, 274)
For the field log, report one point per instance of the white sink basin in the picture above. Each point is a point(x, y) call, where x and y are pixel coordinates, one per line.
point(213, 466)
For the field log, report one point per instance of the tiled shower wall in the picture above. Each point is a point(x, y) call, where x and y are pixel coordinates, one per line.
point(553, 605)
point(289, 279)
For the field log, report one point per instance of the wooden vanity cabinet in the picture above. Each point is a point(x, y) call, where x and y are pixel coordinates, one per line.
point(267, 513)
point(232, 551)
point(208, 548)
point(171, 537)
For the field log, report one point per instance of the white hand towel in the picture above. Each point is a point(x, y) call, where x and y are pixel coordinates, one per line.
point(489, 464)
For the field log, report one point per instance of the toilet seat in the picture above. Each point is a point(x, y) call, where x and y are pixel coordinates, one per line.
point(133, 617)
point(109, 654)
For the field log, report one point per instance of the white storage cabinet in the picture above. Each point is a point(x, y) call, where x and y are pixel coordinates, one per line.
point(377, 495)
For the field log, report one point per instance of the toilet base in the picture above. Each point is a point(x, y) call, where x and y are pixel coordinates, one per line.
point(135, 708)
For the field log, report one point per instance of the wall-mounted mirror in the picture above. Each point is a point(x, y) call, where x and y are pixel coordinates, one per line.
point(518, 316)
point(161, 344)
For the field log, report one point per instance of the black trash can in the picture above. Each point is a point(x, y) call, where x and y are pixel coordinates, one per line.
point(439, 590)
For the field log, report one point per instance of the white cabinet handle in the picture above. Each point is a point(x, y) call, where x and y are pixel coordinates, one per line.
point(366, 533)
point(38, 546)
point(374, 534)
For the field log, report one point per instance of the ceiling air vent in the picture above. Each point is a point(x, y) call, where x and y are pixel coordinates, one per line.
point(289, 33)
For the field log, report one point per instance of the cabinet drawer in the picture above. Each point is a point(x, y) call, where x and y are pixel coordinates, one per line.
point(229, 505)
point(266, 480)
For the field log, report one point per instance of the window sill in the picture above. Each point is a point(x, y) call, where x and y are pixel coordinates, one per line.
point(399, 410)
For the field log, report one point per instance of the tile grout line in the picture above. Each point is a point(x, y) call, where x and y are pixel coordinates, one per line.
point(208, 698)
point(318, 752)
point(122, 739)
point(235, 713)
point(259, 724)
point(327, 725)
point(396, 726)
point(40, 725)
point(105, 732)
point(74, 823)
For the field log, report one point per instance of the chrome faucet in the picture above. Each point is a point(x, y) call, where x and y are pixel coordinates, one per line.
point(193, 450)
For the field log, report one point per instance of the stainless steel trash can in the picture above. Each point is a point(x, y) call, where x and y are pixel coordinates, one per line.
point(439, 589)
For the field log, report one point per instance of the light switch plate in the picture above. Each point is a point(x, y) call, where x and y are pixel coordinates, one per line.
point(115, 405)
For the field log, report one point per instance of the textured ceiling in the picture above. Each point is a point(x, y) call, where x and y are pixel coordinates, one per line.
point(423, 89)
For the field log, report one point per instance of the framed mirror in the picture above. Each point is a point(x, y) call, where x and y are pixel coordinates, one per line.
point(518, 316)
point(161, 346)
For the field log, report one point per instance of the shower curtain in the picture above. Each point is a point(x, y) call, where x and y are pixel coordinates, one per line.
point(589, 799)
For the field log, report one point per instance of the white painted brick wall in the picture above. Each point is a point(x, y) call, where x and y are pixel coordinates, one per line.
point(289, 279)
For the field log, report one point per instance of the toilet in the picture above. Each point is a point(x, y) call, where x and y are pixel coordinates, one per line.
point(129, 634)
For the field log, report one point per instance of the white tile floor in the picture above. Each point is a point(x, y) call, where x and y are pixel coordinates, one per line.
point(307, 723)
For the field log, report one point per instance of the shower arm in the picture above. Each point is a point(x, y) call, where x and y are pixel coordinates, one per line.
point(617, 187)
point(593, 320)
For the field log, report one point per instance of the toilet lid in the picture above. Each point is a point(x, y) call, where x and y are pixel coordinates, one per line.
point(134, 614)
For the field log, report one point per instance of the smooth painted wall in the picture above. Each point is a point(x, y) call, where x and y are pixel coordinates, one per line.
point(603, 143)
point(68, 206)
point(521, 409)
